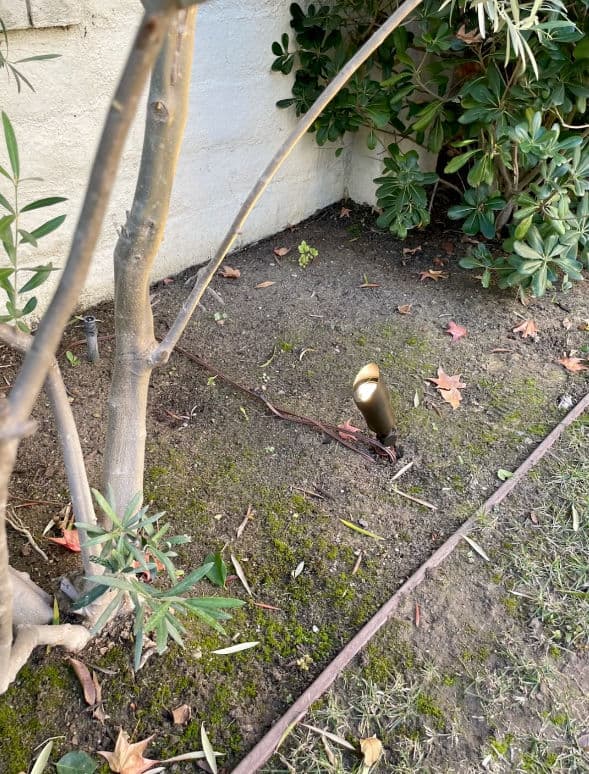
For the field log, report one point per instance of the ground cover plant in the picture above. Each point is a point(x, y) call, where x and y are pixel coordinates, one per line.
point(513, 146)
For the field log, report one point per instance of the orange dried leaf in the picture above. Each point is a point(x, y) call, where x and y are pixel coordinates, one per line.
point(456, 331)
point(345, 212)
point(452, 396)
point(70, 540)
point(573, 364)
point(128, 758)
point(527, 328)
point(411, 250)
point(371, 750)
point(230, 273)
point(404, 309)
point(445, 382)
point(266, 284)
point(433, 274)
point(281, 251)
point(474, 36)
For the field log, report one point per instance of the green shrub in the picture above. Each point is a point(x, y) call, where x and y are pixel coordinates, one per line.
point(505, 112)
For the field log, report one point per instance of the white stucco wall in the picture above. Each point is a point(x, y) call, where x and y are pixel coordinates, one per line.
point(233, 129)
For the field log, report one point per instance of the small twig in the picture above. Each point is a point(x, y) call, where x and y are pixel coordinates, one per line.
point(356, 566)
point(248, 517)
point(403, 470)
point(415, 499)
point(331, 430)
point(17, 524)
point(307, 492)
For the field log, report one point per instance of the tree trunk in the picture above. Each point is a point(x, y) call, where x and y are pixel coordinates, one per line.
point(15, 411)
point(135, 253)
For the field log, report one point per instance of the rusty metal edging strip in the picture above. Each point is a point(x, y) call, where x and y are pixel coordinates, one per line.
point(266, 747)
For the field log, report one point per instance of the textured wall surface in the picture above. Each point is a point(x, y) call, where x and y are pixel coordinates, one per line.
point(233, 129)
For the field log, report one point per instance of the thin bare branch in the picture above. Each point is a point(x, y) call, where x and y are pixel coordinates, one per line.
point(71, 448)
point(162, 353)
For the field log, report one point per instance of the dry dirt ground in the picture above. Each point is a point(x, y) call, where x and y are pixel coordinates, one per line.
point(213, 452)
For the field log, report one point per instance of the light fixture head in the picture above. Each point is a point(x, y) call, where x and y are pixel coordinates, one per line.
point(373, 399)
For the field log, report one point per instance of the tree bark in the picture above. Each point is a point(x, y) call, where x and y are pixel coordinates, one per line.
point(134, 255)
point(15, 411)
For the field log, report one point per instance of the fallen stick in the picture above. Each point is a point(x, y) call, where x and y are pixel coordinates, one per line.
point(269, 743)
point(323, 427)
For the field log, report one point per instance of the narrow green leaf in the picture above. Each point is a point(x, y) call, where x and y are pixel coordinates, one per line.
point(48, 202)
point(11, 145)
point(38, 58)
point(6, 204)
point(40, 275)
point(48, 227)
point(194, 577)
point(366, 532)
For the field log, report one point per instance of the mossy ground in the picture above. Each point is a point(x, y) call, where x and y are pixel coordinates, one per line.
point(479, 685)
point(214, 452)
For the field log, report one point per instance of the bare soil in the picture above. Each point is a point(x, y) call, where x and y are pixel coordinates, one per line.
point(213, 452)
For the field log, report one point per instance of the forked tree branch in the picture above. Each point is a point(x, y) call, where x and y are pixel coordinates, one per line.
point(163, 351)
point(15, 411)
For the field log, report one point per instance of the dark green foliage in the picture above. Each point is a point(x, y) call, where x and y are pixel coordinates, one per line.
point(509, 130)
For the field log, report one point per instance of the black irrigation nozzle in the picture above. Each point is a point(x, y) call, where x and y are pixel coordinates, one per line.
point(373, 399)
point(91, 338)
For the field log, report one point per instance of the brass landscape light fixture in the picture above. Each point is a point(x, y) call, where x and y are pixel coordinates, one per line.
point(372, 398)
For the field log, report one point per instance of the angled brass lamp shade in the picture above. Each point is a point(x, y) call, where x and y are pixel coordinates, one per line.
point(372, 398)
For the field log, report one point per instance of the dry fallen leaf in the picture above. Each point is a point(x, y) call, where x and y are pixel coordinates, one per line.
point(281, 251)
point(448, 247)
point(411, 250)
point(83, 675)
point(567, 324)
point(584, 326)
point(583, 741)
point(345, 212)
point(439, 261)
point(474, 36)
point(128, 758)
point(404, 309)
point(433, 274)
point(181, 715)
point(527, 328)
point(168, 281)
point(456, 331)
point(70, 540)
point(369, 285)
point(573, 364)
point(371, 750)
point(230, 273)
point(346, 431)
point(266, 284)
point(449, 387)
